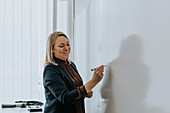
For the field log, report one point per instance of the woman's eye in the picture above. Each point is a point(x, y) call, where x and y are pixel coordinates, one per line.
point(61, 46)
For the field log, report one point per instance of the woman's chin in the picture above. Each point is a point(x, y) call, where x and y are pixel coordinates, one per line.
point(66, 57)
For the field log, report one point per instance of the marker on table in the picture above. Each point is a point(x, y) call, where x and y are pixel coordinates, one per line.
point(96, 68)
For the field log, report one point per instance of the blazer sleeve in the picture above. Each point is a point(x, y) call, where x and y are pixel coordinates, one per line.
point(54, 82)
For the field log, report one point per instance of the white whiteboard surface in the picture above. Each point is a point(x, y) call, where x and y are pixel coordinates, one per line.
point(132, 37)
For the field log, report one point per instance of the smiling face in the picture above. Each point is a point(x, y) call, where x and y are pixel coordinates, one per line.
point(62, 48)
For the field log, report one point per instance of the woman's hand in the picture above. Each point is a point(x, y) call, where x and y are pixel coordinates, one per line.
point(90, 94)
point(98, 74)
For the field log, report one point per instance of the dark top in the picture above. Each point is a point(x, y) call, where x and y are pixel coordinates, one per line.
point(64, 89)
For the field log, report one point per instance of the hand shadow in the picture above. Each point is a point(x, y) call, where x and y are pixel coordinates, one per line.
point(126, 80)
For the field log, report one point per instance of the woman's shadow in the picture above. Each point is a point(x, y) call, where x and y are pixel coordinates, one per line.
point(126, 80)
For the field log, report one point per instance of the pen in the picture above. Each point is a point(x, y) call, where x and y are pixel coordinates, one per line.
point(96, 68)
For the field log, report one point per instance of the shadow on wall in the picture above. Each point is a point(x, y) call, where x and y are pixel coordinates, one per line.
point(126, 81)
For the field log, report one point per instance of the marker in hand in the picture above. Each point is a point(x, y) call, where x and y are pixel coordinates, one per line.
point(96, 68)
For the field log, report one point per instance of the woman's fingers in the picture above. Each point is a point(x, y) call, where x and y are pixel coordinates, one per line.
point(98, 74)
point(99, 67)
point(90, 94)
point(99, 70)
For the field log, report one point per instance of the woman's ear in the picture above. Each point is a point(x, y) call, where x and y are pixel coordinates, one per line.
point(52, 50)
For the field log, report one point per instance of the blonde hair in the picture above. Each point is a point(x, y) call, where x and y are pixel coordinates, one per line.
point(50, 45)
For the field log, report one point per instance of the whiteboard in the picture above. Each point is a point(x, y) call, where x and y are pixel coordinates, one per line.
point(132, 37)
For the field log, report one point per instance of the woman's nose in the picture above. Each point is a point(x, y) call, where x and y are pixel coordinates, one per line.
point(66, 47)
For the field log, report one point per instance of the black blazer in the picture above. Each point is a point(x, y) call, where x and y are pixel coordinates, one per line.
point(60, 92)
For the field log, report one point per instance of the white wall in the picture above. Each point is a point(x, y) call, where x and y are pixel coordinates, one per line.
point(64, 20)
point(132, 37)
point(23, 34)
point(25, 27)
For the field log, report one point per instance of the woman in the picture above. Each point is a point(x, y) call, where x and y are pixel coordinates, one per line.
point(64, 89)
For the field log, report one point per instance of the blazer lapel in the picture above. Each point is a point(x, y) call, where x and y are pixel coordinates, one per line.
point(66, 75)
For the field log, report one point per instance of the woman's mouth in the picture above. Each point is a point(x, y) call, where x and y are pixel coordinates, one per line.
point(66, 52)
